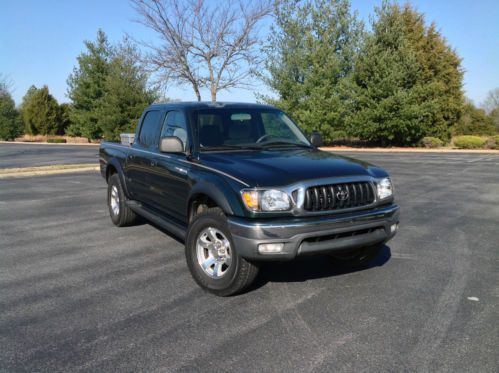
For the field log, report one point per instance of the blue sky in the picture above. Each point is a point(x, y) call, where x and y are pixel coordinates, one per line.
point(40, 40)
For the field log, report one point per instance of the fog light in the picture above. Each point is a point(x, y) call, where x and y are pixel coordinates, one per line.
point(393, 228)
point(270, 248)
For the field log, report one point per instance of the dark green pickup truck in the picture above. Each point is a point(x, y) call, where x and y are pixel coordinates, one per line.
point(240, 184)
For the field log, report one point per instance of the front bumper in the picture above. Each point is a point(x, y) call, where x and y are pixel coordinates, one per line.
point(314, 235)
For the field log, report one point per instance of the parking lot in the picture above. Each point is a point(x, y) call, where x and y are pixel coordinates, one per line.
point(78, 294)
point(33, 155)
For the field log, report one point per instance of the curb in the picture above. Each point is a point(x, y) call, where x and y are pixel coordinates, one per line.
point(409, 150)
point(48, 143)
point(8, 173)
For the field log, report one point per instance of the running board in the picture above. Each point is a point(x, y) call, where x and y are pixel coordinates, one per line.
point(161, 221)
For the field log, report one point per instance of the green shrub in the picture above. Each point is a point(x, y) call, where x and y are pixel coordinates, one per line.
point(469, 142)
point(492, 142)
point(339, 135)
point(432, 142)
point(56, 140)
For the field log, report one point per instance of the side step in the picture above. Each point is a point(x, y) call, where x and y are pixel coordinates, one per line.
point(175, 228)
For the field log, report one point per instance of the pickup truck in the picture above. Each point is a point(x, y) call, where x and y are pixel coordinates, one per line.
point(241, 184)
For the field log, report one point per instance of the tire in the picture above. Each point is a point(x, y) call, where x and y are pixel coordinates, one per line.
point(121, 214)
point(359, 257)
point(209, 242)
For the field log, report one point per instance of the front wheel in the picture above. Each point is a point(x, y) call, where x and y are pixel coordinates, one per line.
point(212, 257)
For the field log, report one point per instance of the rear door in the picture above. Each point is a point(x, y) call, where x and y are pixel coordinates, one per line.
point(140, 160)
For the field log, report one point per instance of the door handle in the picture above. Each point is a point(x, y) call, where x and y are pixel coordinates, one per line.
point(154, 163)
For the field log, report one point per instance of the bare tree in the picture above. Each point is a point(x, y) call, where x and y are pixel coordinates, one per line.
point(206, 46)
point(6, 84)
point(491, 101)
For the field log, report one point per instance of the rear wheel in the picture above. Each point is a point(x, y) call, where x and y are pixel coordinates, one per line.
point(212, 257)
point(358, 257)
point(121, 214)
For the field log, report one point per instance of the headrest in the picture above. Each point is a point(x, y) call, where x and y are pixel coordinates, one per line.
point(240, 131)
point(210, 135)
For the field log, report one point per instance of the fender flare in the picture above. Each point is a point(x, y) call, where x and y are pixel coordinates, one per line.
point(220, 192)
point(119, 170)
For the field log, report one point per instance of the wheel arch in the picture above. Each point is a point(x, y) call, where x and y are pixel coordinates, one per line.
point(114, 167)
point(211, 195)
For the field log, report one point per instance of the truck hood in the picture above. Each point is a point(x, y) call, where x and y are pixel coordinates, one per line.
point(284, 167)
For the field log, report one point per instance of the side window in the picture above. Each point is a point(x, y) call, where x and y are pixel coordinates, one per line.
point(175, 125)
point(149, 129)
point(273, 125)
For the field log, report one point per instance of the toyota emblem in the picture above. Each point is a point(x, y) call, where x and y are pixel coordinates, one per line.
point(342, 194)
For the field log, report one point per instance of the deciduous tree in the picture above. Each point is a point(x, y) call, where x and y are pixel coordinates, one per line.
point(491, 101)
point(203, 44)
point(474, 121)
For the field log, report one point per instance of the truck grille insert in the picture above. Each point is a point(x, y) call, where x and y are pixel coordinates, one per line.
point(338, 196)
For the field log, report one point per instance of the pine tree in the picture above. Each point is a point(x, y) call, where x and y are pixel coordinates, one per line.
point(108, 90)
point(64, 117)
point(440, 72)
point(87, 88)
point(407, 82)
point(40, 112)
point(310, 51)
point(10, 123)
point(126, 92)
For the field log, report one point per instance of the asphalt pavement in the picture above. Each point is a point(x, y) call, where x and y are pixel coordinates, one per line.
point(78, 294)
point(31, 155)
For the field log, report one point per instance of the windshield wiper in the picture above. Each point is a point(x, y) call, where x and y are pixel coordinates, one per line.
point(220, 147)
point(231, 147)
point(285, 144)
point(256, 146)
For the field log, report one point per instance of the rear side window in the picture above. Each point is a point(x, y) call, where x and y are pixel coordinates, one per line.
point(149, 130)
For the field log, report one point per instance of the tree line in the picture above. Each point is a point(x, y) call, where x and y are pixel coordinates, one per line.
point(108, 90)
point(393, 85)
point(393, 82)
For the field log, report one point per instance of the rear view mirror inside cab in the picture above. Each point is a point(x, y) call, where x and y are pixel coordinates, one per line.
point(240, 116)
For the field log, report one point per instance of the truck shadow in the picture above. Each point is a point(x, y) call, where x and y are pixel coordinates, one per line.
point(301, 268)
point(314, 267)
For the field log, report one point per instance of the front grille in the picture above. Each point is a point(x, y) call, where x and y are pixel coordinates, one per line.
point(338, 196)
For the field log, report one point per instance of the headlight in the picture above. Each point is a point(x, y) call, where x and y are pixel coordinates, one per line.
point(266, 200)
point(385, 188)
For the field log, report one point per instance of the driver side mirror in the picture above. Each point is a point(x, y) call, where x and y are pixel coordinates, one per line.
point(171, 144)
point(316, 139)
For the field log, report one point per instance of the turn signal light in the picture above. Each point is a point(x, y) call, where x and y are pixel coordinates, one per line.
point(250, 199)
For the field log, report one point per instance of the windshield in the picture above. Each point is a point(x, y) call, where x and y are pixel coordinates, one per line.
point(226, 129)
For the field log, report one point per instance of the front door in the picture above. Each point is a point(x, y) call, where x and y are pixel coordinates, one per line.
point(169, 177)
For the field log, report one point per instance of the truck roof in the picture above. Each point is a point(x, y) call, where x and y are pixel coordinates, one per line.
point(209, 105)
